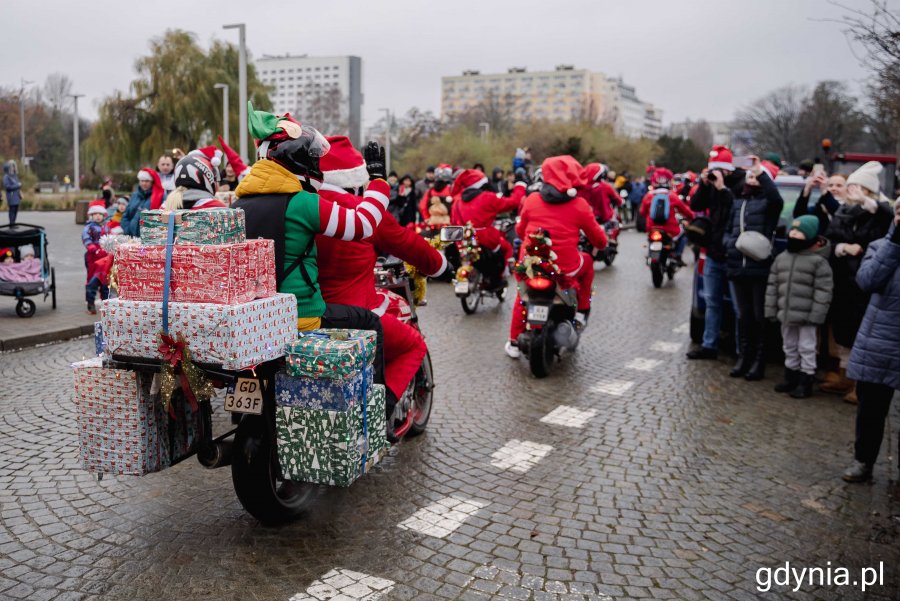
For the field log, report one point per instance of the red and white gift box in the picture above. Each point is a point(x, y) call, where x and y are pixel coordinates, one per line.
point(201, 273)
point(233, 336)
point(121, 425)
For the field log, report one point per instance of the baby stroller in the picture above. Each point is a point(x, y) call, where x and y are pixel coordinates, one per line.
point(15, 236)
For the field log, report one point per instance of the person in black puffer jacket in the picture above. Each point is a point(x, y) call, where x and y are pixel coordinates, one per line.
point(861, 220)
point(717, 187)
point(761, 204)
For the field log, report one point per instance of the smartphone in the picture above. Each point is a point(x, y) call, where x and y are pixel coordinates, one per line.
point(818, 168)
point(742, 162)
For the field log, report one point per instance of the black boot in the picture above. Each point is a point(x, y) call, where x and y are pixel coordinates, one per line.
point(742, 366)
point(758, 367)
point(804, 387)
point(791, 379)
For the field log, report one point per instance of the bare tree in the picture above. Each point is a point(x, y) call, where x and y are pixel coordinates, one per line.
point(325, 109)
point(497, 110)
point(700, 133)
point(772, 120)
point(57, 88)
point(878, 32)
point(828, 112)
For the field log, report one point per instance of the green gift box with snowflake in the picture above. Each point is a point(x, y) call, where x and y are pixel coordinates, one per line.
point(330, 353)
point(327, 446)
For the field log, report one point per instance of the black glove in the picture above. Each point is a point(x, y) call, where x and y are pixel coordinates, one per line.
point(375, 162)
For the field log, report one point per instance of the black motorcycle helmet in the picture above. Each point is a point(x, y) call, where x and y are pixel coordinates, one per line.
point(298, 155)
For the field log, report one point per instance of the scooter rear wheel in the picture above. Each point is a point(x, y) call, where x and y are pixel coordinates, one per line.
point(423, 395)
point(471, 301)
point(540, 355)
point(255, 475)
point(657, 273)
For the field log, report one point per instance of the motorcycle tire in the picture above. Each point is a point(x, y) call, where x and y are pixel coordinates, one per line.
point(540, 355)
point(657, 273)
point(423, 397)
point(254, 474)
point(609, 257)
point(471, 301)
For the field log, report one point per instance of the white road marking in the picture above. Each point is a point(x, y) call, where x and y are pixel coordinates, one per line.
point(341, 584)
point(442, 517)
point(642, 364)
point(569, 416)
point(684, 328)
point(665, 347)
point(613, 387)
point(519, 455)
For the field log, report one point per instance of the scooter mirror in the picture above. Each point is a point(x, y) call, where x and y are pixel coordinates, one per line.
point(451, 233)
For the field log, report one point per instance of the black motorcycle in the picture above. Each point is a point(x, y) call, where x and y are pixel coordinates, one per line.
point(660, 247)
point(550, 323)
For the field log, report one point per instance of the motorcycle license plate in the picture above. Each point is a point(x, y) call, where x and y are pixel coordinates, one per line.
point(244, 396)
point(656, 246)
point(461, 287)
point(538, 313)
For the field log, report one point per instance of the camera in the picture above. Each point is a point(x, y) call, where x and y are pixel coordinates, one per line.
point(711, 176)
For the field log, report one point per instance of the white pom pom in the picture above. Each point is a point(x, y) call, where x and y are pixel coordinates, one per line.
point(571, 192)
point(713, 153)
point(216, 161)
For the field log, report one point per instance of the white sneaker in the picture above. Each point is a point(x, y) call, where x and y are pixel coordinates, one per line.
point(580, 320)
point(512, 350)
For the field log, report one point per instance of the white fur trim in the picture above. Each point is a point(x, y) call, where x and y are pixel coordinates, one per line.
point(478, 184)
point(442, 268)
point(355, 177)
point(571, 192)
point(720, 165)
point(523, 184)
point(96, 211)
point(336, 189)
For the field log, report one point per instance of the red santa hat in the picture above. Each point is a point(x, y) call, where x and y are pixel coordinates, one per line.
point(770, 168)
point(469, 178)
point(661, 177)
point(343, 166)
point(156, 196)
point(720, 157)
point(97, 207)
point(234, 159)
point(594, 171)
point(212, 153)
point(563, 173)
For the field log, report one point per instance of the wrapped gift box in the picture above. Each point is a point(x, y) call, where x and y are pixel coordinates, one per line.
point(119, 421)
point(264, 267)
point(331, 353)
point(209, 226)
point(326, 447)
point(201, 273)
point(233, 336)
point(99, 342)
point(322, 393)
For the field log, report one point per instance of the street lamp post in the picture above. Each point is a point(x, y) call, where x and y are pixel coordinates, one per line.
point(22, 118)
point(77, 151)
point(387, 141)
point(242, 85)
point(485, 129)
point(224, 88)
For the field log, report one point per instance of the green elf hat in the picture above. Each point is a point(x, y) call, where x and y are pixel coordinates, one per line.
point(266, 126)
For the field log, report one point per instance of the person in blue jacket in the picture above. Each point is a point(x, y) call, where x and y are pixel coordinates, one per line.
point(875, 358)
point(13, 187)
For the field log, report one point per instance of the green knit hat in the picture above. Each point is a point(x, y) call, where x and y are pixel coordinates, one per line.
point(264, 125)
point(808, 225)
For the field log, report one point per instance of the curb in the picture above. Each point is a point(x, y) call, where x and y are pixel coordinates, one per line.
point(20, 342)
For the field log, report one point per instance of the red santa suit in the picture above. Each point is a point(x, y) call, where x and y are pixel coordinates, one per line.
point(564, 216)
point(442, 173)
point(472, 204)
point(346, 268)
point(676, 206)
point(599, 193)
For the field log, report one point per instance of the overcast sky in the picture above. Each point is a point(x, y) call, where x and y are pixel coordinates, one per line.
point(693, 58)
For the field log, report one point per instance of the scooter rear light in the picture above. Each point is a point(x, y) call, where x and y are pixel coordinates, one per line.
point(656, 235)
point(539, 283)
point(462, 274)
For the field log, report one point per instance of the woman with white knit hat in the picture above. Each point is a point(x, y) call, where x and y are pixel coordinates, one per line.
point(863, 218)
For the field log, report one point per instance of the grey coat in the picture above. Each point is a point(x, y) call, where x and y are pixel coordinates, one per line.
point(876, 353)
point(800, 287)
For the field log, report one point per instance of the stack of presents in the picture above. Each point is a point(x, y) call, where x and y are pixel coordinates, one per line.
point(221, 302)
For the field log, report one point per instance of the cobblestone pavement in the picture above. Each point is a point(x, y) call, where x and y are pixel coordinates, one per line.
point(629, 473)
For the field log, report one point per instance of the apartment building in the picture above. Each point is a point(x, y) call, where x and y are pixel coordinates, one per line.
point(324, 90)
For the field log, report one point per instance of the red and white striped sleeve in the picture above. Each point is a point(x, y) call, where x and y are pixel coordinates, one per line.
point(340, 222)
